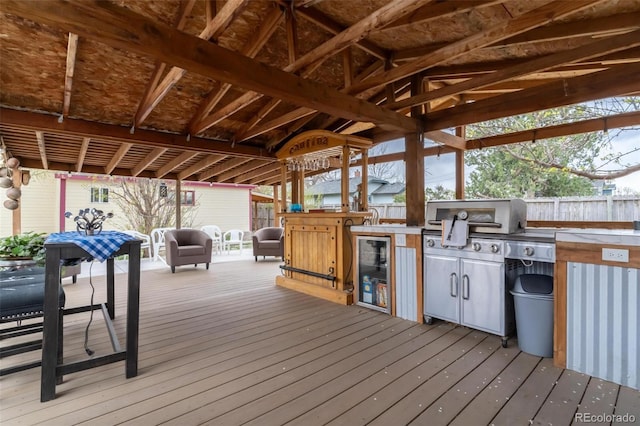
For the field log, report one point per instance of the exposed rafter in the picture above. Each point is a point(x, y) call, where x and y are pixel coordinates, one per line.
point(185, 156)
point(612, 82)
point(72, 49)
point(83, 152)
point(119, 155)
point(42, 149)
point(213, 29)
point(148, 159)
point(535, 18)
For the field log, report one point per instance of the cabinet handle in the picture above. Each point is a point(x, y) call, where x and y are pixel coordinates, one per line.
point(453, 285)
point(465, 284)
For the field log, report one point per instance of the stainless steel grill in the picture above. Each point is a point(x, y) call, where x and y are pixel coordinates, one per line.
point(468, 282)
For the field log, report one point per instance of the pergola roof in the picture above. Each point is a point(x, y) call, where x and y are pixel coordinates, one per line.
point(177, 89)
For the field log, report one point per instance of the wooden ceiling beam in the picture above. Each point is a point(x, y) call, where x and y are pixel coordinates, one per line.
point(597, 48)
point(208, 161)
point(276, 122)
point(214, 28)
point(251, 48)
point(527, 21)
point(72, 49)
point(314, 58)
point(590, 28)
point(439, 10)
point(329, 25)
point(221, 168)
point(147, 160)
point(245, 168)
point(119, 155)
point(584, 126)
point(175, 162)
point(144, 108)
point(42, 149)
point(49, 123)
point(266, 169)
point(358, 31)
point(604, 26)
point(82, 153)
point(617, 81)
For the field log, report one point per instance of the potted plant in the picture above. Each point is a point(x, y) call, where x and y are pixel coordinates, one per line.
point(25, 246)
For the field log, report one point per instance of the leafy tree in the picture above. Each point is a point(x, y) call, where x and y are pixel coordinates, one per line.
point(439, 193)
point(553, 167)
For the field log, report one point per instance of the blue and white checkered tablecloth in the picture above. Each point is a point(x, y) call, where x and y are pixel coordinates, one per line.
point(100, 247)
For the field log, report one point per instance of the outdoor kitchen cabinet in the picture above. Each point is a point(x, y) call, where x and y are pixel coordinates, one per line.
point(469, 292)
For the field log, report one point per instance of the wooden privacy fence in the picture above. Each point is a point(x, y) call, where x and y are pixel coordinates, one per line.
point(602, 208)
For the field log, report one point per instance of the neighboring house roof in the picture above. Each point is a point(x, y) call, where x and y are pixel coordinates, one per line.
point(390, 188)
point(334, 187)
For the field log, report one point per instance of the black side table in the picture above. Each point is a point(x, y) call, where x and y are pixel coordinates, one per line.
point(53, 367)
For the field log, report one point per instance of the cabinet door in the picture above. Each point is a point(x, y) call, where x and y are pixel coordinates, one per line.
point(441, 287)
point(482, 295)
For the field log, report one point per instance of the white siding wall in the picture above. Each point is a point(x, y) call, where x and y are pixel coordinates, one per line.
point(39, 206)
point(228, 207)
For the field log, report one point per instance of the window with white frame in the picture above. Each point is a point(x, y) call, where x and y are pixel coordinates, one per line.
point(99, 194)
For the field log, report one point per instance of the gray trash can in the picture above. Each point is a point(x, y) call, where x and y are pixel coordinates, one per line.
point(533, 304)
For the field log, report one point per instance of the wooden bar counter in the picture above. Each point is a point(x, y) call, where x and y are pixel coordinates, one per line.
point(318, 254)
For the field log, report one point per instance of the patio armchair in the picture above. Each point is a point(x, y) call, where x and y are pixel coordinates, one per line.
point(187, 246)
point(268, 242)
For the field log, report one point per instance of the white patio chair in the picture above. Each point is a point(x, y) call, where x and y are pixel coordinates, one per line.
point(216, 236)
point(146, 240)
point(233, 237)
point(157, 241)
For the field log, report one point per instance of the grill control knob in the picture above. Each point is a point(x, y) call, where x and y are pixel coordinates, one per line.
point(528, 251)
point(431, 243)
point(495, 248)
point(476, 246)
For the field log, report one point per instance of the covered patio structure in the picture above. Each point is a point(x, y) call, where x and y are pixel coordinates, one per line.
point(208, 91)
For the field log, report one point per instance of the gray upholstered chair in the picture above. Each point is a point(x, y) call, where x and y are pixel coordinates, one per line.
point(187, 246)
point(268, 242)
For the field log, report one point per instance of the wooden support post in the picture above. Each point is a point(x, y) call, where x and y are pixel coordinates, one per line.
point(178, 204)
point(460, 131)
point(301, 188)
point(364, 202)
point(345, 180)
point(295, 187)
point(283, 203)
point(414, 163)
point(276, 206)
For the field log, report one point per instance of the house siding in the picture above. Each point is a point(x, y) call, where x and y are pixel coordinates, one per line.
point(227, 206)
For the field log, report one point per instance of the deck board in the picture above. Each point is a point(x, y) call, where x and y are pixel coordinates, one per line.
point(227, 346)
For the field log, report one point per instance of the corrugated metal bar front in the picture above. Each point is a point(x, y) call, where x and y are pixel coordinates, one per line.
point(406, 284)
point(603, 322)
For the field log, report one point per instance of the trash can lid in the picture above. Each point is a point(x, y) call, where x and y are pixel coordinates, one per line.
point(533, 283)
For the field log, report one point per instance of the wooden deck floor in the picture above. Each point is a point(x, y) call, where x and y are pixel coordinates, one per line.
point(228, 347)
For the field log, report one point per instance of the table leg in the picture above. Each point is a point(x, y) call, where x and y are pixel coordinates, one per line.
point(111, 304)
point(133, 312)
point(51, 322)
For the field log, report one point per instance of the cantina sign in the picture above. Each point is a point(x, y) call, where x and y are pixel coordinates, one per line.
point(315, 143)
point(319, 140)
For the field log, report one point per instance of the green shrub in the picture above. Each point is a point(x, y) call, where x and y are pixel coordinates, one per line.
point(25, 245)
